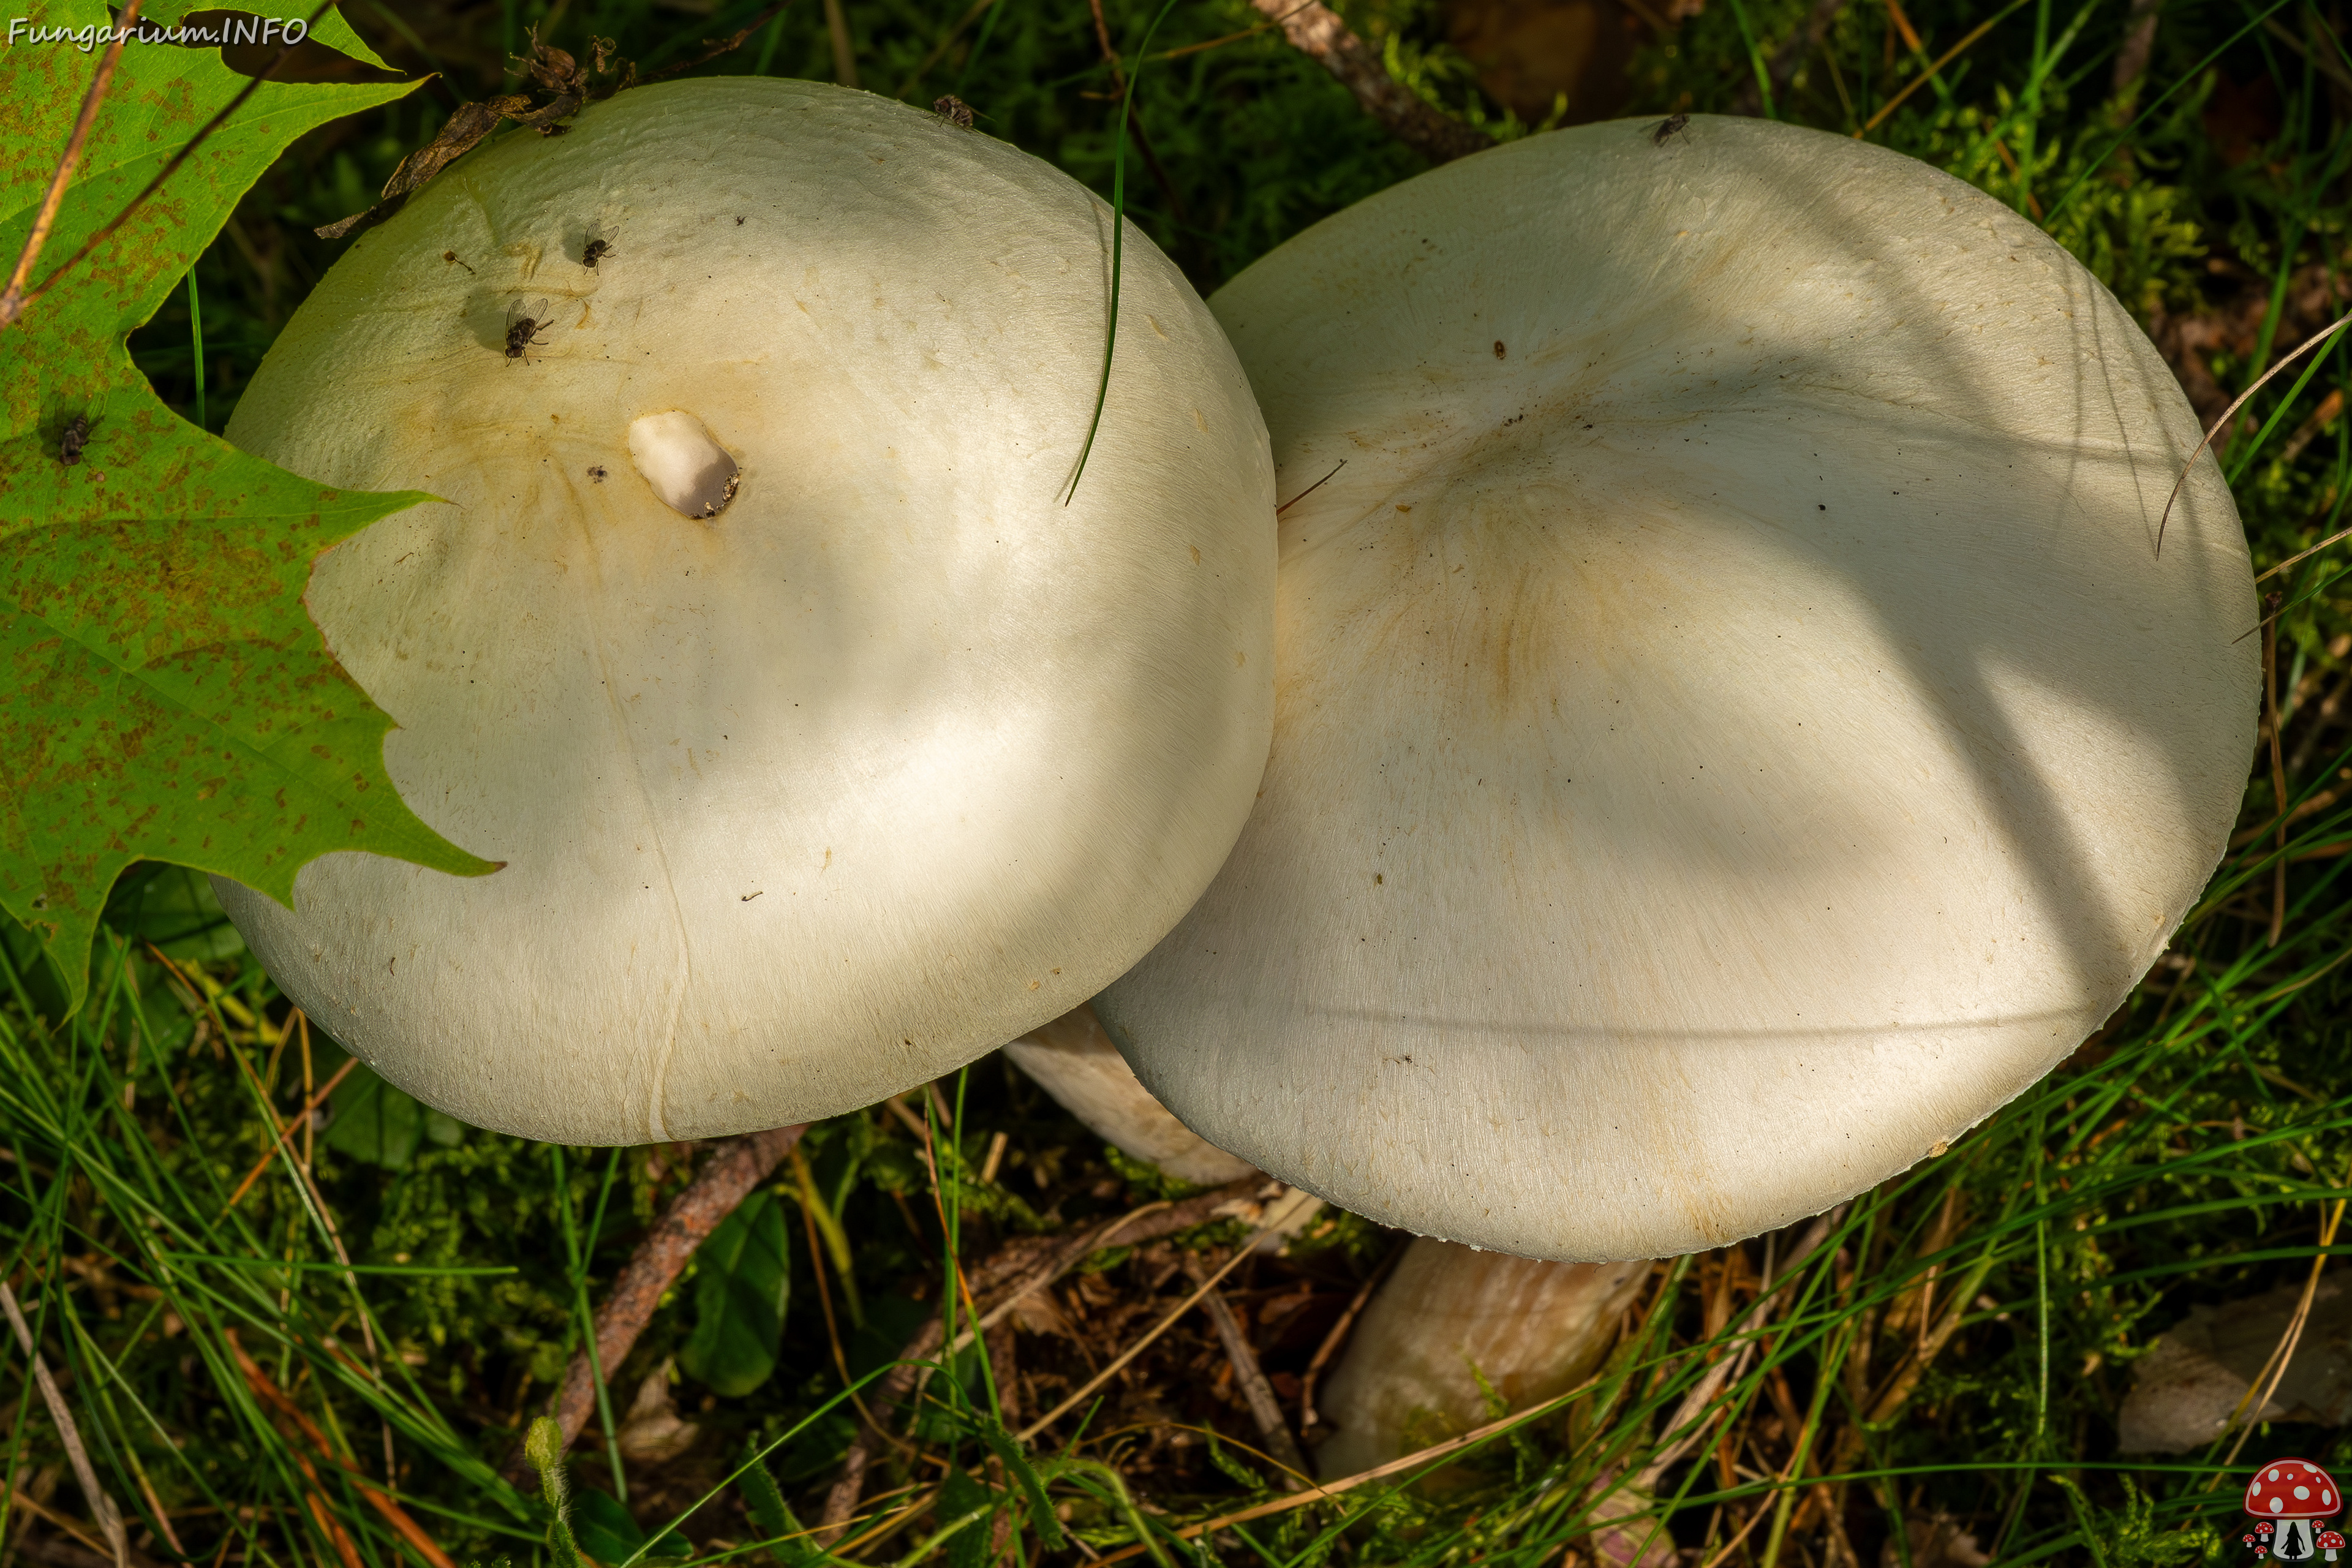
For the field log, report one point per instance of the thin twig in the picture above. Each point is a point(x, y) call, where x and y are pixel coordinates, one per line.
point(172, 166)
point(12, 300)
point(1316, 31)
point(728, 44)
point(724, 1181)
point(1264, 1409)
point(1276, 1213)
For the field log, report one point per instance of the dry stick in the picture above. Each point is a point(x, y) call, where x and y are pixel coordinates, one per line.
point(1039, 1269)
point(1307, 1414)
point(109, 1518)
point(1763, 1510)
point(1219, 42)
point(1316, 31)
point(12, 306)
point(1264, 1409)
point(279, 1400)
point(721, 46)
point(66, 1523)
point(1275, 1214)
point(2229, 413)
point(725, 1179)
point(12, 300)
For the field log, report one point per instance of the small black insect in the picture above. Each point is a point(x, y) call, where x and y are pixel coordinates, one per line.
point(75, 437)
point(451, 256)
point(523, 325)
point(599, 245)
point(739, 223)
point(953, 110)
point(596, 472)
point(1667, 126)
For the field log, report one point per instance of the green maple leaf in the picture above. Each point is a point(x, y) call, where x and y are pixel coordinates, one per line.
point(164, 695)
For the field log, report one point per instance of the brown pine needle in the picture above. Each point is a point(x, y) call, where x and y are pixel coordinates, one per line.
point(1310, 490)
point(2304, 555)
point(279, 1400)
point(12, 300)
point(10, 308)
point(2309, 343)
point(1277, 1213)
point(1925, 76)
point(310, 1106)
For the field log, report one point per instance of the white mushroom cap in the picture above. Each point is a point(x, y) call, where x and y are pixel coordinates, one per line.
point(803, 801)
point(1733, 726)
point(1071, 1059)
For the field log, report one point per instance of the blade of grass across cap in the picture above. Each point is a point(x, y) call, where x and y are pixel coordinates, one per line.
point(1118, 237)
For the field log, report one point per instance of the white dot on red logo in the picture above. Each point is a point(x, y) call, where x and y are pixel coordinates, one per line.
point(2303, 1491)
point(2327, 1496)
point(2277, 1503)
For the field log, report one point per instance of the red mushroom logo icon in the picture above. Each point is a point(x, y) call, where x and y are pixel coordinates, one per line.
point(2293, 1496)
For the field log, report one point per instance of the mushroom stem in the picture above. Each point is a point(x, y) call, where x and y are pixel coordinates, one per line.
point(1073, 1059)
point(724, 1181)
point(1453, 1323)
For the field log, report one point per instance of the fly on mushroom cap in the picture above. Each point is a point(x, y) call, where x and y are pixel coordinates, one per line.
point(809, 799)
point(1726, 747)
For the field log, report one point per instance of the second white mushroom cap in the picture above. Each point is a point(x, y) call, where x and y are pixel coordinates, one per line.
point(1734, 728)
